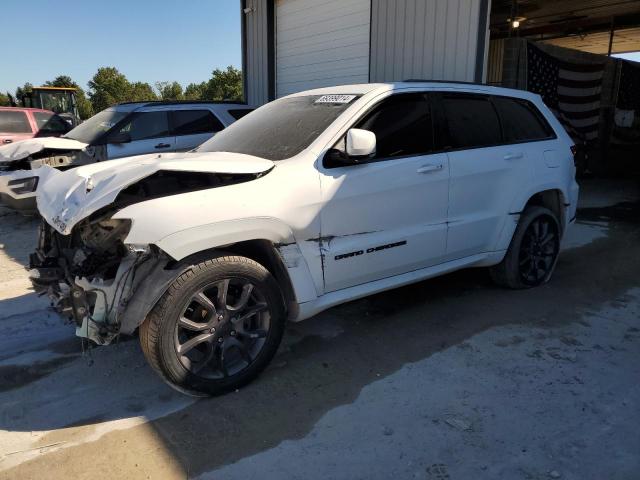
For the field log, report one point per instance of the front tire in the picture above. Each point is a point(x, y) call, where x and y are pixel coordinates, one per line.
point(216, 327)
point(533, 252)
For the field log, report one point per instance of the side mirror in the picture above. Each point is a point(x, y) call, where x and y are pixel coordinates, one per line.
point(119, 137)
point(360, 143)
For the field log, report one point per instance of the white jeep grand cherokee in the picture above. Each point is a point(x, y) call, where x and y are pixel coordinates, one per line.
point(312, 200)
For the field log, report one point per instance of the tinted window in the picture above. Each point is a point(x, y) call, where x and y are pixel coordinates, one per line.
point(402, 125)
point(239, 113)
point(14, 122)
point(520, 121)
point(48, 122)
point(145, 125)
point(192, 122)
point(280, 129)
point(472, 121)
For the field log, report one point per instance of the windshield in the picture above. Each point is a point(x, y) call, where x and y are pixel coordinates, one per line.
point(90, 130)
point(280, 129)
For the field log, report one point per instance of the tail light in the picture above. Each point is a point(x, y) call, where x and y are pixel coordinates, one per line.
point(574, 152)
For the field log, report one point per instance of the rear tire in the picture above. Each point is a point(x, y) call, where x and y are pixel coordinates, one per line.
point(216, 327)
point(533, 251)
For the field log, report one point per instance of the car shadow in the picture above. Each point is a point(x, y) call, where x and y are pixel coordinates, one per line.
point(323, 363)
point(18, 238)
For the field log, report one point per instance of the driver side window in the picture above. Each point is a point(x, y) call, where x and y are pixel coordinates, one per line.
point(402, 124)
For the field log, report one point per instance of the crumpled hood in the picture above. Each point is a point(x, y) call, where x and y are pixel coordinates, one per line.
point(66, 197)
point(21, 150)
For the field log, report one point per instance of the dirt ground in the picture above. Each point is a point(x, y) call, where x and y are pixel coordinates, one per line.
point(451, 378)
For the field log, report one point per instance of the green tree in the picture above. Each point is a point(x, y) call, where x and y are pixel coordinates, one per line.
point(224, 85)
point(84, 105)
point(4, 100)
point(169, 90)
point(20, 91)
point(141, 92)
point(108, 87)
point(195, 91)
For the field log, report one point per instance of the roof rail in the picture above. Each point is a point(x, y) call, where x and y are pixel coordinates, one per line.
point(182, 102)
point(424, 80)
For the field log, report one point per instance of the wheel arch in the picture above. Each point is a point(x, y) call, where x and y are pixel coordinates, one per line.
point(553, 199)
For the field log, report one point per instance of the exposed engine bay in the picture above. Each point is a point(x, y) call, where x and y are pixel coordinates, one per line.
point(88, 275)
point(56, 158)
point(98, 282)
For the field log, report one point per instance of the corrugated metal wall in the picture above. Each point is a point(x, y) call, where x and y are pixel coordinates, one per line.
point(430, 39)
point(321, 43)
point(496, 59)
point(256, 62)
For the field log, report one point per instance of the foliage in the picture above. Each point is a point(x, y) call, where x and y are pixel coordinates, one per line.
point(224, 85)
point(141, 92)
point(169, 90)
point(4, 100)
point(109, 87)
point(195, 91)
point(20, 91)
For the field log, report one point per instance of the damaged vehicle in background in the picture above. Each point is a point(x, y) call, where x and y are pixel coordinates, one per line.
point(121, 131)
point(312, 200)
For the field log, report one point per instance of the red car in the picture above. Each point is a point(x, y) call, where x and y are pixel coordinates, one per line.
point(22, 123)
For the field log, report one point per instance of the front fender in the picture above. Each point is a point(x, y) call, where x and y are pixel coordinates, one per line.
point(204, 237)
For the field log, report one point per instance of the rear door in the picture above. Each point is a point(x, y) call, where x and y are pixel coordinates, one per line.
point(486, 173)
point(150, 132)
point(386, 216)
point(14, 126)
point(193, 127)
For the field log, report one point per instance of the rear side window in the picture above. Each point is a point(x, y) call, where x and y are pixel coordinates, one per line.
point(146, 125)
point(402, 124)
point(192, 122)
point(48, 122)
point(472, 121)
point(521, 121)
point(240, 112)
point(14, 122)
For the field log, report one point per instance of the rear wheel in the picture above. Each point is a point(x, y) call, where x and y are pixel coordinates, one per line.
point(217, 326)
point(533, 252)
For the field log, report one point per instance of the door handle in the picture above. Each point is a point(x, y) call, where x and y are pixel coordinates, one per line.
point(513, 156)
point(430, 167)
point(162, 145)
point(7, 140)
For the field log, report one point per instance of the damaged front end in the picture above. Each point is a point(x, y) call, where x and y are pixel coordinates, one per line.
point(92, 277)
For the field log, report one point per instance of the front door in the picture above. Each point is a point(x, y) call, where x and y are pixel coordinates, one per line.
point(388, 215)
point(149, 132)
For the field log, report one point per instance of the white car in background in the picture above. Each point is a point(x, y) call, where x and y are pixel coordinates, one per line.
point(120, 131)
point(312, 200)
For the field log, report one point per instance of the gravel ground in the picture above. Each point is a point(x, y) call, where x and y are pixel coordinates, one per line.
point(450, 378)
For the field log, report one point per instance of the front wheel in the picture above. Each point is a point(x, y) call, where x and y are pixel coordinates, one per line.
point(533, 252)
point(216, 327)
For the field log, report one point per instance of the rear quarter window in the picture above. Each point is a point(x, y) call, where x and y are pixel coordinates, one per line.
point(521, 120)
point(240, 112)
point(192, 122)
point(14, 122)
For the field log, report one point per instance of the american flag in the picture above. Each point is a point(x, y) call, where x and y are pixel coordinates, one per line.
point(571, 90)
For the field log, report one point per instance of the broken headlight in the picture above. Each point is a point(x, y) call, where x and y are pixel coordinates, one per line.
point(21, 186)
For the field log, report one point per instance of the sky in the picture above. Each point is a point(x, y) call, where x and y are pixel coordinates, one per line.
point(147, 40)
point(635, 56)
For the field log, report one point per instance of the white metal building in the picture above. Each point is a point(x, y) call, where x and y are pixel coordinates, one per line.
point(294, 45)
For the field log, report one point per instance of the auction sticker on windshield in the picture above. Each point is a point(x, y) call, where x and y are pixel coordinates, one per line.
point(335, 99)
